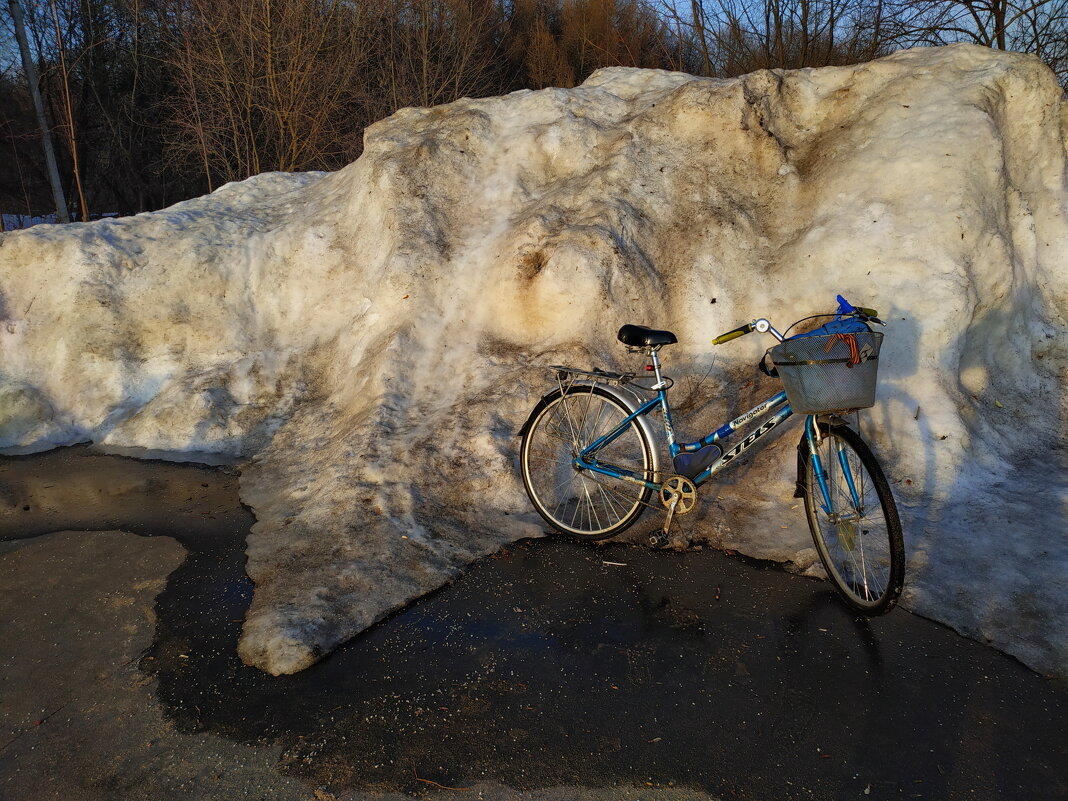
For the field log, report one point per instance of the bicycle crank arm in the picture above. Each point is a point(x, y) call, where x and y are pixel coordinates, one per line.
point(662, 537)
point(675, 497)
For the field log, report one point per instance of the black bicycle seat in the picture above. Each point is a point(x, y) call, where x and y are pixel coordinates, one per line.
point(638, 336)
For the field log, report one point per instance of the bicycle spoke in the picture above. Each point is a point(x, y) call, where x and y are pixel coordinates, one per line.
point(551, 459)
point(615, 491)
point(609, 506)
point(570, 422)
point(559, 507)
point(586, 413)
point(595, 429)
point(567, 481)
point(574, 514)
point(590, 503)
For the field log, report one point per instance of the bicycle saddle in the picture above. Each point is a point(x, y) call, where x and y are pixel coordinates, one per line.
point(638, 336)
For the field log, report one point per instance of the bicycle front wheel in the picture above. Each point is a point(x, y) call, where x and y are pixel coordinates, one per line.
point(858, 533)
point(576, 501)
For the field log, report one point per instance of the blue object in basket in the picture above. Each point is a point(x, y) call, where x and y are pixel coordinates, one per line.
point(850, 325)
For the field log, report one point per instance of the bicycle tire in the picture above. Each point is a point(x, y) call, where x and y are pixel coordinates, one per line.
point(864, 554)
point(575, 502)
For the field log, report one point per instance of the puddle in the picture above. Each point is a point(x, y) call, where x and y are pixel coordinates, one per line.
point(544, 666)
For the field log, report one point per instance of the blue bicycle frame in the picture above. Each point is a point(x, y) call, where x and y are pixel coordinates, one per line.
point(587, 460)
point(776, 409)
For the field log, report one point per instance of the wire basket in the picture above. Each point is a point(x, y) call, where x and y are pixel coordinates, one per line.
point(832, 373)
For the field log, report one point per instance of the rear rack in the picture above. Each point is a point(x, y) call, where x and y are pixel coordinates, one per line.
point(566, 376)
point(572, 374)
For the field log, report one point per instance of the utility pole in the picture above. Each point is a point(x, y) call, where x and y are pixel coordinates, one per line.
point(30, 66)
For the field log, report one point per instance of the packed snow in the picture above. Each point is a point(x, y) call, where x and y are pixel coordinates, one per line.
point(368, 342)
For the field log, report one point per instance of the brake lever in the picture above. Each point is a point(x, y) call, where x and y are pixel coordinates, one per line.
point(867, 318)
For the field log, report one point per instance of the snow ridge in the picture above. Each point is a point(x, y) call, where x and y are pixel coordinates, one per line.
point(367, 341)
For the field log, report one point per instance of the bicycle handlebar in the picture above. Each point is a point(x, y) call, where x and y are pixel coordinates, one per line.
point(740, 331)
point(844, 309)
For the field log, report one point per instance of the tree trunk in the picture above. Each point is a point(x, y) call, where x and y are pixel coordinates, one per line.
point(699, 23)
point(72, 142)
point(42, 121)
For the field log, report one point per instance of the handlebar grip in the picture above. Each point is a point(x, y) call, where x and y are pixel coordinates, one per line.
point(740, 331)
point(866, 312)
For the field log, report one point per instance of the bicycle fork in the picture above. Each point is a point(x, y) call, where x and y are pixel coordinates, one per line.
point(813, 437)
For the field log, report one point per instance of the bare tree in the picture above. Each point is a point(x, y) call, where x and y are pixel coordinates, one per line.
point(262, 83)
point(560, 42)
point(1028, 26)
point(436, 51)
point(68, 109)
point(160, 99)
point(738, 36)
point(30, 67)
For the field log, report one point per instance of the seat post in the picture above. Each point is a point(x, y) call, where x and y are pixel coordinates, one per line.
point(656, 367)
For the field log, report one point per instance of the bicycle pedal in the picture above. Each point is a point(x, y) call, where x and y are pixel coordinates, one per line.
point(657, 540)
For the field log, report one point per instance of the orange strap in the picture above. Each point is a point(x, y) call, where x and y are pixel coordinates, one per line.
point(851, 341)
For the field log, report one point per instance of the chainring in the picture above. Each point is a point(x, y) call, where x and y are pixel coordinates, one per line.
point(681, 487)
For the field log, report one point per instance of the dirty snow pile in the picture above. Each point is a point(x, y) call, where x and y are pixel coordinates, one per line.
point(369, 341)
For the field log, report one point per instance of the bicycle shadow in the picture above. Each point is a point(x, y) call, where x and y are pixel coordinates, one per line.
point(892, 438)
point(996, 490)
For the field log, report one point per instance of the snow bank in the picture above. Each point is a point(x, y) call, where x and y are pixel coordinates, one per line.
point(368, 339)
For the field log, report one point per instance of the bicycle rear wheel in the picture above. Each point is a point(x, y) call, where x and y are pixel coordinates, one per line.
point(859, 536)
point(574, 501)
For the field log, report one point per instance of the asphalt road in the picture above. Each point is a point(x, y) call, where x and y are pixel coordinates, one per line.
point(550, 671)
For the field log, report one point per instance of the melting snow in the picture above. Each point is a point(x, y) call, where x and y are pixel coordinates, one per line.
point(369, 341)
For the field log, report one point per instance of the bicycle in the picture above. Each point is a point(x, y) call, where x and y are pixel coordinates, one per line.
point(589, 464)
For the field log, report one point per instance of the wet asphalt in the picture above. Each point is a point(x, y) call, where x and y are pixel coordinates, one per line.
point(559, 664)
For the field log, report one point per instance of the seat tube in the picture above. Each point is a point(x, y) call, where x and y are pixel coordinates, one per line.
point(669, 428)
